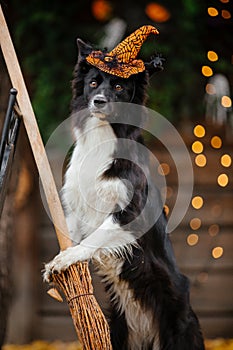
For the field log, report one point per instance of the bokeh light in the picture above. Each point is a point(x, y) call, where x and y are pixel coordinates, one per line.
point(210, 89)
point(217, 252)
point(226, 101)
point(101, 10)
point(213, 230)
point(226, 14)
point(223, 180)
point(195, 223)
point(226, 160)
point(207, 71)
point(163, 169)
point(212, 56)
point(212, 11)
point(216, 142)
point(192, 239)
point(157, 12)
point(197, 202)
point(166, 209)
point(197, 147)
point(200, 160)
point(199, 131)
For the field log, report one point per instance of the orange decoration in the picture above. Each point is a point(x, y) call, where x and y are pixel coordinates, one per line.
point(157, 12)
point(101, 10)
point(121, 61)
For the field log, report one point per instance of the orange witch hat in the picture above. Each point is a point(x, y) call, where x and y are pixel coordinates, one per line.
point(121, 61)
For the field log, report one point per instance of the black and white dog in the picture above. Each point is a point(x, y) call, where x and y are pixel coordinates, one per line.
point(103, 195)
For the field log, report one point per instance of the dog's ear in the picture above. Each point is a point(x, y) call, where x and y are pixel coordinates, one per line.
point(83, 49)
point(155, 65)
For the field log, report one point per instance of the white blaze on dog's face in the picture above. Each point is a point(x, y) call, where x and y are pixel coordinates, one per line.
point(102, 89)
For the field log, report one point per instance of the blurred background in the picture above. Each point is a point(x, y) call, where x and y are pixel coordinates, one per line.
point(193, 91)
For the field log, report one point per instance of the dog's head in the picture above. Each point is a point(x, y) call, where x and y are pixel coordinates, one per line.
point(101, 90)
point(100, 78)
point(97, 90)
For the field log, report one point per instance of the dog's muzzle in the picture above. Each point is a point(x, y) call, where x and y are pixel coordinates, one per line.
point(100, 107)
point(100, 102)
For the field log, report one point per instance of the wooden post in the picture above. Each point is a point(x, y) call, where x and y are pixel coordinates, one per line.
point(96, 340)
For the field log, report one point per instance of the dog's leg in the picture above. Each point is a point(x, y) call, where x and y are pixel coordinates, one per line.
point(109, 237)
point(73, 224)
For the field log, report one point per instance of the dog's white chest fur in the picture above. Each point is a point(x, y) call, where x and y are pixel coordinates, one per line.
point(88, 197)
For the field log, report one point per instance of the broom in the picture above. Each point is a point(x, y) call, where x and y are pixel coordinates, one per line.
point(90, 324)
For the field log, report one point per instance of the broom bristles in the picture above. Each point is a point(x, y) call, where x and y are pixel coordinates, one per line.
point(89, 321)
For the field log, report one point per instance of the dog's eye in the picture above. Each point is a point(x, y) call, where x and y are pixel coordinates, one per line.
point(118, 87)
point(93, 84)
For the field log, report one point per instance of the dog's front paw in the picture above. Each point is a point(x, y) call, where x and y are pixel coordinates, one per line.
point(47, 273)
point(64, 259)
point(60, 263)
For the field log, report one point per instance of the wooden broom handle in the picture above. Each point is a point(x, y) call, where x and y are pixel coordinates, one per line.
point(102, 341)
point(34, 136)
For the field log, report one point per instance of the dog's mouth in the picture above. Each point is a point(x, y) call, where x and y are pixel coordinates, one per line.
point(100, 115)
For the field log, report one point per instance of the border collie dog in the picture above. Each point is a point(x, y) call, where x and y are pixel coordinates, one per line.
point(104, 196)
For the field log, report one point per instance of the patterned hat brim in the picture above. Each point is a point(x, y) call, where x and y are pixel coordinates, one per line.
point(122, 70)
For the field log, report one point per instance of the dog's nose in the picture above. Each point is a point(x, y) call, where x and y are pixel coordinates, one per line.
point(100, 101)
